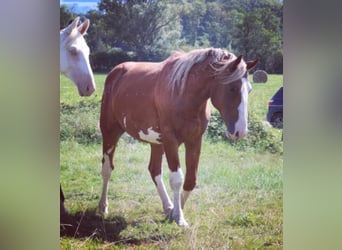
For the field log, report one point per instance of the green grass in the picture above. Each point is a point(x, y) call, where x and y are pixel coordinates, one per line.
point(236, 205)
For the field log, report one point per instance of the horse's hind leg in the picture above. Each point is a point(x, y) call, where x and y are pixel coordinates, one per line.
point(155, 168)
point(110, 139)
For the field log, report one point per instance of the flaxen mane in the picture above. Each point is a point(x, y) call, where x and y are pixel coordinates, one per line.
point(219, 62)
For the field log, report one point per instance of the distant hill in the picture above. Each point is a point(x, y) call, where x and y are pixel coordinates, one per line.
point(80, 6)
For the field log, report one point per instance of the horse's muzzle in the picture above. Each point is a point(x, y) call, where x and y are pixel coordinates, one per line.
point(238, 135)
point(87, 91)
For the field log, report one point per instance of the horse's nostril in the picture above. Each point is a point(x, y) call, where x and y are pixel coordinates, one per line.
point(87, 88)
point(237, 134)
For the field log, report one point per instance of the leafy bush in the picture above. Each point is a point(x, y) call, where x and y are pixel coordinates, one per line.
point(260, 137)
point(274, 63)
point(80, 123)
point(104, 61)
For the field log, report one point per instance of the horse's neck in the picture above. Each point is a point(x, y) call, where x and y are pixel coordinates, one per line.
point(198, 87)
point(196, 94)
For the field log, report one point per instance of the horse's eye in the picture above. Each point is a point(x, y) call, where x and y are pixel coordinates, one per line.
point(233, 89)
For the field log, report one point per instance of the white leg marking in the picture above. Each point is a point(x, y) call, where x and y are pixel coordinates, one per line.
point(184, 197)
point(176, 181)
point(110, 150)
point(167, 204)
point(151, 136)
point(106, 173)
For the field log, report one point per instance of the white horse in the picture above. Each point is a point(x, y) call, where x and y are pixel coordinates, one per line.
point(74, 64)
point(74, 57)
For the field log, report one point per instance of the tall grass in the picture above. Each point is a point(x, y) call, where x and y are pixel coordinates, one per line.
point(237, 203)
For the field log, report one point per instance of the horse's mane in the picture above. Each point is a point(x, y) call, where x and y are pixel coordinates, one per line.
point(218, 57)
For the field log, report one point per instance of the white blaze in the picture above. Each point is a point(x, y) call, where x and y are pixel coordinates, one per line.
point(151, 136)
point(241, 124)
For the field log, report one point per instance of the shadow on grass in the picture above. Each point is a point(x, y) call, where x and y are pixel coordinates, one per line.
point(88, 224)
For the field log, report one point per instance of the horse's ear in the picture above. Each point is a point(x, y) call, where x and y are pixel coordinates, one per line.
point(235, 63)
point(84, 26)
point(251, 64)
point(72, 26)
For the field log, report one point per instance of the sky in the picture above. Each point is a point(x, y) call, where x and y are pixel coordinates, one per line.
point(81, 6)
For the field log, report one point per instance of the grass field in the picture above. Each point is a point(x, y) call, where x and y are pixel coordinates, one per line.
point(236, 205)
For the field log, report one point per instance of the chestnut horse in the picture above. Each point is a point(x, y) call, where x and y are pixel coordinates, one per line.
point(74, 64)
point(166, 104)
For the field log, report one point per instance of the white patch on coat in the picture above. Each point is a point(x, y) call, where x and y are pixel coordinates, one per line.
point(151, 136)
point(124, 122)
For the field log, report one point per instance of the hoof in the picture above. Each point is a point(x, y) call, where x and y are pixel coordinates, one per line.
point(178, 219)
point(182, 223)
point(168, 211)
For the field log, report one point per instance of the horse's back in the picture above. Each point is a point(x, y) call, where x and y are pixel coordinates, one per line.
point(133, 74)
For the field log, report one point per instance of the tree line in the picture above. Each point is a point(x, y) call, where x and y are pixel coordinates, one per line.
point(150, 30)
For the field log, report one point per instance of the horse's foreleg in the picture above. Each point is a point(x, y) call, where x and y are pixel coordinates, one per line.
point(176, 179)
point(109, 143)
point(192, 154)
point(62, 208)
point(157, 176)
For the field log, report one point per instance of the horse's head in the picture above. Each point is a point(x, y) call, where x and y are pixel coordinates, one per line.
point(74, 57)
point(229, 93)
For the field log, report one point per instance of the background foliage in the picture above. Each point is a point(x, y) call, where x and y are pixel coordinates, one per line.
point(146, 30)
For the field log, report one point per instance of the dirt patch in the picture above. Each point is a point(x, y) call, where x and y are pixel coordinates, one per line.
point(90, 225)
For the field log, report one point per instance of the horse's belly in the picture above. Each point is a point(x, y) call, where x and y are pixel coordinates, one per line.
point(142, 125)
point(144, 133)
point(151, 136)
point(135, 110)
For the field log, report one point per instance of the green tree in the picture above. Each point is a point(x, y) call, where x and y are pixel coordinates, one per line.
point(192, 15)
point(259, 35)
point(66, 15)
point(149, 28)
point(97, 38)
